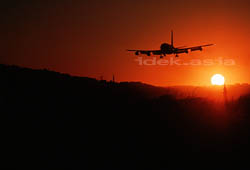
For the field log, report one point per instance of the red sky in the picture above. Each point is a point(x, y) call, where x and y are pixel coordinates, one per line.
point(89, 38)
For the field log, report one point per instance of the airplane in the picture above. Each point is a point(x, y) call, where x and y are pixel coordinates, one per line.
point(167, 49)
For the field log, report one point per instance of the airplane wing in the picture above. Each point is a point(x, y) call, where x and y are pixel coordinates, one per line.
point(147, 52)
point(195, 48)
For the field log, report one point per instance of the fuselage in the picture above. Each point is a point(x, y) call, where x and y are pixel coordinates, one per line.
point(167, 48)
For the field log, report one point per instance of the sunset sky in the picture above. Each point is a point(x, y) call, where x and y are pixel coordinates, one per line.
point(90, 37)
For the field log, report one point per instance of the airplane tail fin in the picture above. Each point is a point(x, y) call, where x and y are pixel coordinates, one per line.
point(172, 38)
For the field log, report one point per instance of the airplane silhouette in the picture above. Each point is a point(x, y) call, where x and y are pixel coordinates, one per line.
point(167, 49)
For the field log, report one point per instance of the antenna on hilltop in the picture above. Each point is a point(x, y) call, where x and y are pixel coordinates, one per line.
point(113, 78)
point(225, 94)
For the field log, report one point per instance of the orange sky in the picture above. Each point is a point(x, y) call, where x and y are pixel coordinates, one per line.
point(89, 38)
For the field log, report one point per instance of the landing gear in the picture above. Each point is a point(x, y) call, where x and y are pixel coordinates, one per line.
point(162, 56)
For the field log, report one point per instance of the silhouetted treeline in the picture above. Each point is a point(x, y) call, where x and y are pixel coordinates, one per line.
point(56, 120)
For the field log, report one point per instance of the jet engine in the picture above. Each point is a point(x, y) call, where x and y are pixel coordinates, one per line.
point(196, 49)
point(148, 53)
point(181, 51)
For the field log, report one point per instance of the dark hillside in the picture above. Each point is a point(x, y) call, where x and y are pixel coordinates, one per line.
point(57, 120)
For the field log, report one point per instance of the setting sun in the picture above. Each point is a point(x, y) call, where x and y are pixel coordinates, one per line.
point(217, 79)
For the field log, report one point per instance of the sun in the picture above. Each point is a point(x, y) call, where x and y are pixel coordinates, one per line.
point(218, 80)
